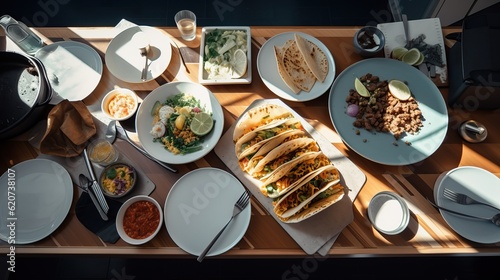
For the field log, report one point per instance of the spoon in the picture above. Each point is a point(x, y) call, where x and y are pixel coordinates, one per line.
point(495, 219)
point(84, 184)
point(145, 52)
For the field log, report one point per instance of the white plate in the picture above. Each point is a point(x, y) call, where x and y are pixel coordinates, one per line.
point(199, 205)
point(77, 66)
point(41, 199)
point(268, 69)
point(144, 120)
point(203, 75)
point(379, 147)
point(480, 184)
point(123, 57)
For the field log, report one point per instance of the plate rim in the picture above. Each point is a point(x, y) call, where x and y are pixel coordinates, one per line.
point(398, 161)
point(246, 80)
point(289, 95)
point(67, 201)
point(144, 28)
point(217, 130)
point(174, 188)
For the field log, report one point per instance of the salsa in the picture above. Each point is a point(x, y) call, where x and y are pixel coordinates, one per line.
point(141, 219)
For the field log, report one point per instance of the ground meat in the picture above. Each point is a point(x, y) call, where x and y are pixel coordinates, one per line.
point(382, 112)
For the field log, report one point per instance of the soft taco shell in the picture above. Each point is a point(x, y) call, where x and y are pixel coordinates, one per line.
point(296, 67)
point(279, 54)
point(315, 57)
point(255, 140)
point(313, 204)
point(259, 116)
point(284, 148)
point(284, 177)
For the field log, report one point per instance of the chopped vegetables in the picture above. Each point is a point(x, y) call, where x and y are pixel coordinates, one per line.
point(220, 49)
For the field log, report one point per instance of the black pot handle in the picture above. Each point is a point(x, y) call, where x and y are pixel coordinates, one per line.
point(43, 75)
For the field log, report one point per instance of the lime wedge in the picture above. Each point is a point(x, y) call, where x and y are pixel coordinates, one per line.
point(398, 52)
point(411, 57)
point(399, 89)
point(239, 63)
point(360, 88)
point(201, 124)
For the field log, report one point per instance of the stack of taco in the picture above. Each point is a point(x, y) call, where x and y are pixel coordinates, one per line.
point(272, 146)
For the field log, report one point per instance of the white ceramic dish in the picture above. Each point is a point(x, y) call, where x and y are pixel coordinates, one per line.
point(202, 73)
point(388, 213)
point(268, 69)
point(123, 57)
point(379, 147)
point(40, 200)
point(144, 121)
point(121, 213)
point(77, 66)
point(481, 185)
point(110, 95)
point(199, 204)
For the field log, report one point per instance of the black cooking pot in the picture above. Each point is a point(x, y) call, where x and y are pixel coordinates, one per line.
point(25, 92)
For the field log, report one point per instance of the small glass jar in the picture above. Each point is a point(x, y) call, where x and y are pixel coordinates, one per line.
point(102, 152)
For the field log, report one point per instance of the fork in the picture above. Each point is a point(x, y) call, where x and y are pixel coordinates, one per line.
point(238, 207)
point(461, 198)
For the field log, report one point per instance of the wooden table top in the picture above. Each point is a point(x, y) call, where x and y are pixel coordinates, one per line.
point(427, 233)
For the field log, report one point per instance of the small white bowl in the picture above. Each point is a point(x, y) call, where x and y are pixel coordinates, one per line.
point(388, 213)
point(121, 215)
point(124, 101)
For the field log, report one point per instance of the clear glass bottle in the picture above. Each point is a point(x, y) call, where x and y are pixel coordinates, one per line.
point(18, 32)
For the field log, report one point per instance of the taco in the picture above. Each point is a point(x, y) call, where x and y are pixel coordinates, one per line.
point(310, 195)
point(282, 179)
point(261, 159)
point(257, 117)
point(249, 143)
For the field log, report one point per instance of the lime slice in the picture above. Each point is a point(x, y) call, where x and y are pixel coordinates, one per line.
point(360, 88)
point(411, 57)
point(420, 59)
point(239, 63)
point(398, 52)
point(201, 124)
point(399, 89)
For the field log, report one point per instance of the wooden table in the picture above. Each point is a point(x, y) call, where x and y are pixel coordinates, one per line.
point(427, 234)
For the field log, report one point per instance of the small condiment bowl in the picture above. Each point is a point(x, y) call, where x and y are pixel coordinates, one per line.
point(123, 214)
point(120, 104)
point(365, 49)
point(388, 213)
point(118, 179)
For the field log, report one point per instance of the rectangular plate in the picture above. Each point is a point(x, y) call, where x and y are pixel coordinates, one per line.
point(317, 231)
point(203, 75)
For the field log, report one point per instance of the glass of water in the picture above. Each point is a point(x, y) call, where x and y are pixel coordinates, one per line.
point(186, 23)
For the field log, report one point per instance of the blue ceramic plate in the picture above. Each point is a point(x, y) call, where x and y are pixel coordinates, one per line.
point(381, 147)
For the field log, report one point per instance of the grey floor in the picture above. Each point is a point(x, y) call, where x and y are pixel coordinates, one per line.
point(228, 13)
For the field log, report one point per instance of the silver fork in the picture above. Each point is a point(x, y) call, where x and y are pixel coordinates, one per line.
point(238, 207)
point(461, 198)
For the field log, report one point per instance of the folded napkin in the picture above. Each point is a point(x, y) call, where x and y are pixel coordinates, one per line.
point(88, 215)
point(69, 127)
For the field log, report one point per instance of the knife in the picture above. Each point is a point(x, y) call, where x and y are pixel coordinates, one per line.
point(406, 28)
point(84, 184)
point(95, 185)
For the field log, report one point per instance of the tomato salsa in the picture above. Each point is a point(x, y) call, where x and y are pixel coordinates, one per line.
point(141, 219)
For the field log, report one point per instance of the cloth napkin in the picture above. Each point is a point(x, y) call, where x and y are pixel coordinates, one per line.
point(69, 127)
point(87, 214)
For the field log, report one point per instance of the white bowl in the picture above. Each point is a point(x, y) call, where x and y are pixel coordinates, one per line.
point(121, 215)
point(388, 213)
point(144, 121)
point(129, 99)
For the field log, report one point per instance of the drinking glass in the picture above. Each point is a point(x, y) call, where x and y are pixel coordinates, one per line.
point(186, 23)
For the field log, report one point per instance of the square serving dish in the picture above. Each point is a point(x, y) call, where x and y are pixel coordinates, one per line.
point(203, 74)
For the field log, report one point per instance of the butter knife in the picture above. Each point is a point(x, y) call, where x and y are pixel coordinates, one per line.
point(95, 185)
